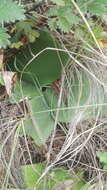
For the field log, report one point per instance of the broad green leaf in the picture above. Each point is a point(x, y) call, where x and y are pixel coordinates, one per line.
point(31, 173)
point(4, 38)
point(77, 96)
point(102, 157)
point(45, 67)
point(52, 100)
point(10, 11)
point(78, 185)
point(22, 90)
point(39, 123)
point(77, 100)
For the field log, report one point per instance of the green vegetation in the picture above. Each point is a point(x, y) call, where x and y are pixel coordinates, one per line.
point(59, 57)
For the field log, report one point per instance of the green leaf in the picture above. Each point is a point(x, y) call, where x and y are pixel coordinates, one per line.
point(32, 35)
point(102, 157)
point(52, 12)
point(25, 27)
point(39, 123)
point(52, 101)
point(10, 11)
point(59, 2)
point(95, 7)
point(63, 24)
point(4, 38)
point(1, 79)
point(52, 22)
point(22, 90)
point(64, 18)
point(78, 185)
point(43, 68)
point(31, 173)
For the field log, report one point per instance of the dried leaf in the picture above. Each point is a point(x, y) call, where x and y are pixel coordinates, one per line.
point(1, 59)
point(9, 80)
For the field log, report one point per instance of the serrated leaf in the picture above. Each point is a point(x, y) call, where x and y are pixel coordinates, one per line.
point(52, 12)
point(52, 23)
point(63, 18)
point(4, 38)
point(96, 8)
point(63, 24)
point(10, 11)
point(66, 22)
point(24, 25)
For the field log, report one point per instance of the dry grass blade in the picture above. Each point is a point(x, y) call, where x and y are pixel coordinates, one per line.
point(1, 59)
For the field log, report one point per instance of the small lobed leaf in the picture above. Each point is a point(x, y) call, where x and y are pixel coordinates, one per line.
point(10, 12)
point(62, 18)
point(52, 23)
point(4, 38)
point(24, 25)
point(16, 45)
point(63, 24)
point(52, 12)
point(95, 7)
